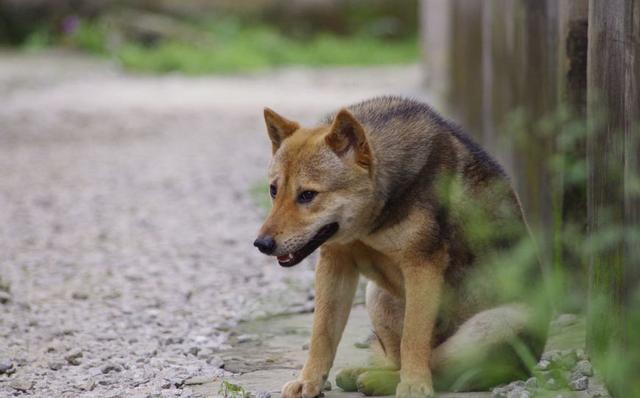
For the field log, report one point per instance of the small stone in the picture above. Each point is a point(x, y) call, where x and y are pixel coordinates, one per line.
point(584, 367)
point(263, 394)
point(73, 358)
point(55, 365)
point(111, 367)
point(88, 385)
point(174, 340)
point(5, 297)
point(565, 320)
point(582, 355)
point(194, 350)
point(518, 392)
point(500, 392)
point(552, 384)
point(551, 356)
point(21, 385)
point(568, 359)
point(198, 380)
point(579, 384)
point(79, 295)
point(531, 384)
point(246, 338)
point(216, 362)
point(362, 344)
point(305, 346)
point(543, 365)
point(5, 366)
point(165, 384)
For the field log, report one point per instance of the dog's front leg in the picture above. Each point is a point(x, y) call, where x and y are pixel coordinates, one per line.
point(423, 285)
point(336, 282)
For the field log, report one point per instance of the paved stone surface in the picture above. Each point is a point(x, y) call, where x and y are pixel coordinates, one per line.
point(126, 219)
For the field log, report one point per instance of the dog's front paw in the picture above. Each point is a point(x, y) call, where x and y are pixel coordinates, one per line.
point(301, 389)
point(414, 390)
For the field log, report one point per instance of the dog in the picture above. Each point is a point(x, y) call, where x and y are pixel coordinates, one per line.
point(390, 190)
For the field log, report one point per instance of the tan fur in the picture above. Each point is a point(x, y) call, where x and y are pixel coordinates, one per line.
point(376, 168)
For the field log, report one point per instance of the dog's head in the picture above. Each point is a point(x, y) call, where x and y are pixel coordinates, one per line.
point(320, 181)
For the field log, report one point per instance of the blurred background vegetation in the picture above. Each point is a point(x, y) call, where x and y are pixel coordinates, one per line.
point(198, 37)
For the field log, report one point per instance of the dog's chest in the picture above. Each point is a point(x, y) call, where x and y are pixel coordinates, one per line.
point(378, 268)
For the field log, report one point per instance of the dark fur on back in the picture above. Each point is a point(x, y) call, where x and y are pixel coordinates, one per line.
point(418, 155)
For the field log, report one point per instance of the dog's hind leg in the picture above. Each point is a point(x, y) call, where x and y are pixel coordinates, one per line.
point(495, 346)
point(386, 313)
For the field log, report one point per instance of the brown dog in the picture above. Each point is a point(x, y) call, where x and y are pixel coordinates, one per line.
point(388, 189)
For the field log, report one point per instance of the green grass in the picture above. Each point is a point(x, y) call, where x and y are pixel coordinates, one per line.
point(228, 47)
point(255, 50)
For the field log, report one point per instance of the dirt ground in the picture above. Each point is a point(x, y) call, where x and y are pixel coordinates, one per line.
point(126, 218)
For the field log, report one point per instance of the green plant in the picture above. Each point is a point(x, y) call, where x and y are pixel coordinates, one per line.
point(230, 390)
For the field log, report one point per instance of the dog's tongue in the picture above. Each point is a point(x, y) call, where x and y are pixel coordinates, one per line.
point(285, 258)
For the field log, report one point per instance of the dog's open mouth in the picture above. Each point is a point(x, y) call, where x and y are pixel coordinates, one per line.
point(323, 234)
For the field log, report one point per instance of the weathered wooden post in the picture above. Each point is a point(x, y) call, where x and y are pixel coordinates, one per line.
point(436, 28)
point(570, 193)
point(612, 147)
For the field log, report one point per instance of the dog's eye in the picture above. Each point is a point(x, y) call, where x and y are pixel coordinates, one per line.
point(306, 196)
point(273, 190)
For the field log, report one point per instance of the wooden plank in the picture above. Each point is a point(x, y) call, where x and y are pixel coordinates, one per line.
point(536, 84)
point(570, 195)
point(612, 149)
point(436, 43)
point(632, 151)
point(572, 32)
point(466, 67)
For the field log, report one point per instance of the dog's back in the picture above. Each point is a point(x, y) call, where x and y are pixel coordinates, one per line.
point(424, 160)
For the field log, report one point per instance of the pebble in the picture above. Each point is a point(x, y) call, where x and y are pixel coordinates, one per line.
point(246, 338)
point(568, 359)
point(174, 340)
point(73, 358)
point(552, 384)
point(196, 380)
point(585, 368)
point(79, 295)
point(582, 355)
point(579, 384)
point(21, 385)
point(88, 385)
point(216, 362)
point(518, 393)
point(565, 320)
point(531, 383)
point(55, 365)
point(5, 366)
point(263, 394)
point(194, 350)
point(543, 365)
point(111, 367)
point(5, 297)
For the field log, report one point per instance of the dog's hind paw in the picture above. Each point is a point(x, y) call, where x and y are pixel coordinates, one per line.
point(378, 382)
point(346, 378)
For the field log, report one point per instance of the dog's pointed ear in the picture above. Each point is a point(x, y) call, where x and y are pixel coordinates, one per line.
point(279, 128)
point(347, 136)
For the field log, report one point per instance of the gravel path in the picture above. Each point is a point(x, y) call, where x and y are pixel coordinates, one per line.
point(126, 219)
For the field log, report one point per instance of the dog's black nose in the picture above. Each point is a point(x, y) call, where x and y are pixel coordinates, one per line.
point(265, 244)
